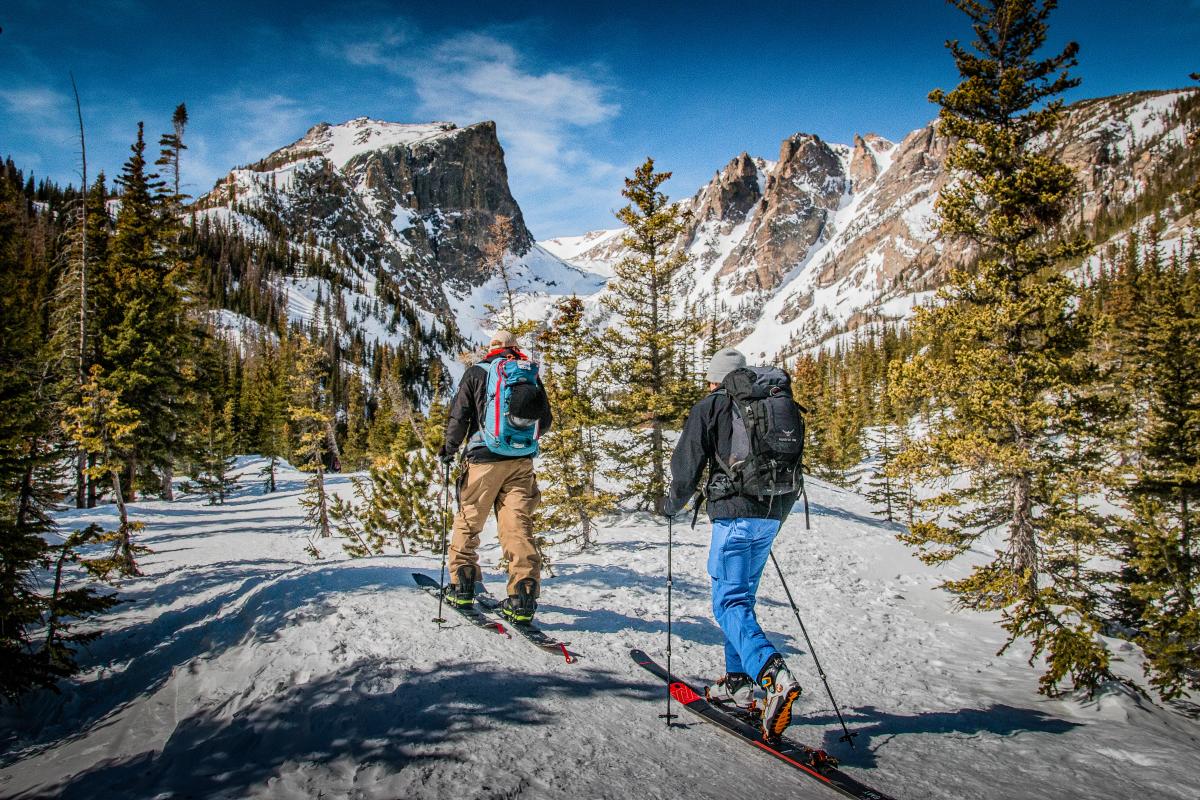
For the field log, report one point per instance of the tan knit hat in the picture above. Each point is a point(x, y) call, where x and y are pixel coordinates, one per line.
point(503, 339)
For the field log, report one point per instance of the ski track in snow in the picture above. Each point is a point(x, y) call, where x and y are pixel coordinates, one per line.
point(238, 667)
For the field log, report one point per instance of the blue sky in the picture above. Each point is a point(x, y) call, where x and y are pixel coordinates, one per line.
point(581, 92)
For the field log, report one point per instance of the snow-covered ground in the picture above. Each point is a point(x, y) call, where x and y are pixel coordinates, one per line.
point(239, 667)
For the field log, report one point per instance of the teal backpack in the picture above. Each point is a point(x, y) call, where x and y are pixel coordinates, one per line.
point(500, 430)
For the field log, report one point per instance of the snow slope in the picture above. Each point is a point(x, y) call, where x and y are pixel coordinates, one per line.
point(239, 667)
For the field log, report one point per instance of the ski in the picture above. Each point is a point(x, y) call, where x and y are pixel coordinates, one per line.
point(472, 614)
point(816, 764)
point(530, 632)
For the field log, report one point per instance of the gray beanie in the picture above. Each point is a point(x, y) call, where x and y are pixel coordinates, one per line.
point(724, 362)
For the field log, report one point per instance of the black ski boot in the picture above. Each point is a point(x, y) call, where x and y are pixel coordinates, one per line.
point(462, 593)
point(519, 608)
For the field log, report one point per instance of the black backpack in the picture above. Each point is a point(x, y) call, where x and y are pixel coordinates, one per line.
point(767, 452)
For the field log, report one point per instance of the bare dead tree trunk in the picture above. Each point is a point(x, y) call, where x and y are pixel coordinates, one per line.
point(81, 479)
point(123, 552)
point(334, 452)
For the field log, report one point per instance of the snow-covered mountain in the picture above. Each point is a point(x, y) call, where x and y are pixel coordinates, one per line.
point(829, 237)
point(387, 215)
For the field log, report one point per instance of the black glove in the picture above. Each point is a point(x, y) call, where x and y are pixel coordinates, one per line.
point(446, 456)
point(662, 507)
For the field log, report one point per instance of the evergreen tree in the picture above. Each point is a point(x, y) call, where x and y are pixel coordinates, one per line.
point(107, 429)
point(144, 327)
point(309, 412)
point(651, 327)
point(215, 448)
point(1017, 424)
point(571, 500)
point(398, 502)
point(172, 152)
point(35, 629)
point(884, 491)
point(1162, 490)
point(354, 451)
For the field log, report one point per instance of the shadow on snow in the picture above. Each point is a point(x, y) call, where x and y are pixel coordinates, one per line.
point(876, 727)
point(371, 712)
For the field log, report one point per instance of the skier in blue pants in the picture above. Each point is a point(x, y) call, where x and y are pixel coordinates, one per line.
point(739, 552)
point(743, 530)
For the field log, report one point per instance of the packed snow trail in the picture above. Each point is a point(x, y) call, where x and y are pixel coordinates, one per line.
point(239, 667)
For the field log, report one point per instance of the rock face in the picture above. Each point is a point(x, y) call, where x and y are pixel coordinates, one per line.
point(414, 200)
point(829, 237)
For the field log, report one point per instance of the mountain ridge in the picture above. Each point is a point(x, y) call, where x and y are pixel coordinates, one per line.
point(839, 236)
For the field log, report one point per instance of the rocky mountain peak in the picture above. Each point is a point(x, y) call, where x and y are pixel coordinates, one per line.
point(340, 144)
point(867, 157)
point(415, 200)
point(733, 192)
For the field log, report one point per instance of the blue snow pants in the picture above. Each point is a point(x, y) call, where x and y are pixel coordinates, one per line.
point(736, 558)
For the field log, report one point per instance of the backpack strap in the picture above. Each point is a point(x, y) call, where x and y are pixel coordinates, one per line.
point(720, 463)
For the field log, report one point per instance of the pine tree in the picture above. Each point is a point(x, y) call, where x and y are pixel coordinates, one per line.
point(1162, 490)
point(80, 298)
point(884, 491)
point(642, 346)
point(171, 154)
point(107, 429)
point(268, 386)
point(143, 328)
point(397, 502)
point(35, 632)
point(1017, 424)
point(571, 452)
point(216, 453)
point(308, 410)
point(497, 251)
point(354, 451)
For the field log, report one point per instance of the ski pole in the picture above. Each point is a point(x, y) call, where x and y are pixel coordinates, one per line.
point(848, 737)
point(804, 493)
point(670, 583)
point(445, 535)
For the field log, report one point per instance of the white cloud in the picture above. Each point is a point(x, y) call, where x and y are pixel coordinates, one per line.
point(50, 111)
point(544, 116)
point(248, 128)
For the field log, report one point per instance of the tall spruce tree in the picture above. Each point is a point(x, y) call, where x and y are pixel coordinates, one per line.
point(652, 326)
point(171, 199)
point(214, 447)
point(143, 331)
point(311, 418)
point(884, 492)
point(571, 453)
point(1160, 535)
point(1015, 421)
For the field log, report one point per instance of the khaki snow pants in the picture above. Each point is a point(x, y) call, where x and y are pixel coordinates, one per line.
point(510, 488)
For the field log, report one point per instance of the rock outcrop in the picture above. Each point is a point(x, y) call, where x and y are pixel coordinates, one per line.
point(415, 200)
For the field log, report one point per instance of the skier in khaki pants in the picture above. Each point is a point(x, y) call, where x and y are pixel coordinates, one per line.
point(494, 479)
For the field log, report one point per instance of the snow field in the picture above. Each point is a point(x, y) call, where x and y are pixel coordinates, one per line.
point(239, 667)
